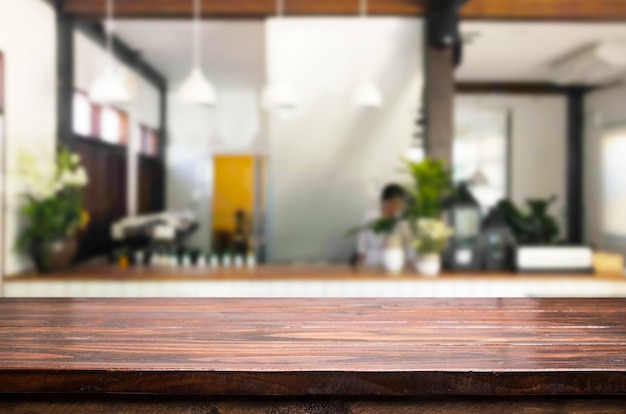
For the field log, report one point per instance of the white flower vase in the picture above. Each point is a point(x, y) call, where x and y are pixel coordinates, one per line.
point(393, 255)
point(393, 260)
point(429, 264)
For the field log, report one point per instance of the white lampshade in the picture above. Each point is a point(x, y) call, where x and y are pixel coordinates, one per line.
point(197, 89)
point(367, 95)
point(479, 179)
point(279, 96)
point(109, 87)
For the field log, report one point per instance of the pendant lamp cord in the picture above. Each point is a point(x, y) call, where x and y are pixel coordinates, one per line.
point(280, 8)
point(197, 34)
point(109, 27)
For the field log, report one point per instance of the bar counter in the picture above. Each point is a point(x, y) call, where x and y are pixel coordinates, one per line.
point(312, 355)
point(303, 281)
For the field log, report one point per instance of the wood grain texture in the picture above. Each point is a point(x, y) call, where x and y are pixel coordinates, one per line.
point(572, 10)
point(582, 10)
point(242, 8)
point(105, 196)
point(270, 272)
point(314, 347)
point(439, 104)
point(320, 406)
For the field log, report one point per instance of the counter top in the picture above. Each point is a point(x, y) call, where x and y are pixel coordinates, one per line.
point(269, 273)
point(314, 347)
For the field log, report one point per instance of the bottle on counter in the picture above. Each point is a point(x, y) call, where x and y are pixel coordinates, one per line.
point(226, 260)
point(139, 258)
point(186, 260)
point(173, 260)
point(201, 260)
point(214, 261)
point(239, 261)
point(251, 260)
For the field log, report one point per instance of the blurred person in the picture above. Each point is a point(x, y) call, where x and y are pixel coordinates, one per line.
point(370, 244)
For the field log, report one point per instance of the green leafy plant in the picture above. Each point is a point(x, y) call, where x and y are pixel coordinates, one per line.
point(53, 200)
point(432, 236)
point(533, 225)
point(432, 183)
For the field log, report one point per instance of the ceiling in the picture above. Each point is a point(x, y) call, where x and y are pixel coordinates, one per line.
point(233, 51)
point(524, 51)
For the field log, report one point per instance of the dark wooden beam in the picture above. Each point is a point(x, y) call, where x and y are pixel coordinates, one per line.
point(242, 8)
point(564, 10)
point(510, 88)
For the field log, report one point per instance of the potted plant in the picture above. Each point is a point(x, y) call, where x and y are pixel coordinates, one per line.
point(431, 239)
point(432, 184)
point(53, 208)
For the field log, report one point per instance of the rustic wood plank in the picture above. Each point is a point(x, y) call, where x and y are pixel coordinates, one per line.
point(242, 8)
point(322, 347)
point(569, 10)
point(281, 406)
point(558, 10)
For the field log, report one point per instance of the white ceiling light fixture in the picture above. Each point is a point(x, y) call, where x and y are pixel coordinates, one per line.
point(110, 87)
point(196, 88)
point(366, 94)
point(277, 94)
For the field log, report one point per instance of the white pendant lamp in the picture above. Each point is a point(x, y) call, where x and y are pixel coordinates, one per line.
point(366, 94)
point(110, 87)
point(279, 95)
point(196, 88)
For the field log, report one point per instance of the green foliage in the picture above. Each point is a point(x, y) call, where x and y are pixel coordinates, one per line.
point(532, 226)
point(53, 199)
point(378, 226)
point(51, 219)
point(432, 236)
point(432, 183)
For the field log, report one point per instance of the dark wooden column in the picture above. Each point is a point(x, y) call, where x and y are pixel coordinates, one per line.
point(439, 101)
point(575, 164)
point(65, 76)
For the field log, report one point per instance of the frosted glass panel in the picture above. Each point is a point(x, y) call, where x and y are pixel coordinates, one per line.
point(614, 182)
point(110, 126)
point(82, 115)
point(480, 150)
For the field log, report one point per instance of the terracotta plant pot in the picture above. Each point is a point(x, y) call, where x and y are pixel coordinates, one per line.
point(50, 257)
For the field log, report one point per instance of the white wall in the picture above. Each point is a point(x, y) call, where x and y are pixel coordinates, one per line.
point(539, 145)
point(604, 109)
point(325, 155)
point(28, 40)
point(236, 125)
point(196, 135)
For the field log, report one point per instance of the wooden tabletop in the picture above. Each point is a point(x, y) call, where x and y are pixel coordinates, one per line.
point(260, 273)
point(390, 347)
